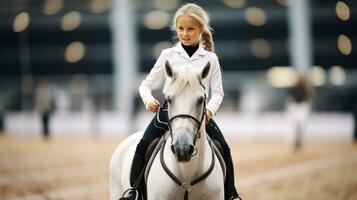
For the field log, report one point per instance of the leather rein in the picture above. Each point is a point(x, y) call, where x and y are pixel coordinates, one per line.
point(185, 186)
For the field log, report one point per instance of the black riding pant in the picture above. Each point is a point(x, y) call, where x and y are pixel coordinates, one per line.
point(159, 125)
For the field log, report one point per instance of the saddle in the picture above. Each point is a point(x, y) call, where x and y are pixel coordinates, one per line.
point(155, 146)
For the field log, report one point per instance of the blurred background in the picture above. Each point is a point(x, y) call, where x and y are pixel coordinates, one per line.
point(71, 69)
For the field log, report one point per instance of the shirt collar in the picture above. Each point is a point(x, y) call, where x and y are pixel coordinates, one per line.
point(200, 51)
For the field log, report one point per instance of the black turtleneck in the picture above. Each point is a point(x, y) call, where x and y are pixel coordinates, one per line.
point(190, 50)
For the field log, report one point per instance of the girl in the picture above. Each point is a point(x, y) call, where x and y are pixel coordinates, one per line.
point(195, 48)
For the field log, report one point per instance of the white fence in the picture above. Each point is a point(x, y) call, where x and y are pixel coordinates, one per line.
point(273, 125)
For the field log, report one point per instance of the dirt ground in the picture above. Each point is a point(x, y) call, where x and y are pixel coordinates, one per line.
point(77, 168)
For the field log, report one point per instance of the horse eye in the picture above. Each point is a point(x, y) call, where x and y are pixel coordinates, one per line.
point(169, 100)
point(200, 101)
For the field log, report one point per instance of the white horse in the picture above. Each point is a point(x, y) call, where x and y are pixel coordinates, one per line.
point(187, 153)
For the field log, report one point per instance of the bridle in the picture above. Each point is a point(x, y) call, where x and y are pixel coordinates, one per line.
point(199, 122)
point(187, 186)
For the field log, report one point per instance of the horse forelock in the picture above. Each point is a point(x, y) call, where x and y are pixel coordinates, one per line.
point(186, 77)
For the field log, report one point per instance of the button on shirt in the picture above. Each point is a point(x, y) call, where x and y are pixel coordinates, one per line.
point(177, 57)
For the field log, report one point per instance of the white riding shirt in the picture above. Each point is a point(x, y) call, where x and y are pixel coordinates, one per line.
point(177, 56)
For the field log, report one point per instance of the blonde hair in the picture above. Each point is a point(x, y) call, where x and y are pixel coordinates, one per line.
point(197, 12)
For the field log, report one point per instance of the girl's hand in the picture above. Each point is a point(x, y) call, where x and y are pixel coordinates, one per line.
point(208, 116)
point(154, 105)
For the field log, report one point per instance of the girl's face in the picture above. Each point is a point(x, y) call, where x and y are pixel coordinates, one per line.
point(188, 30)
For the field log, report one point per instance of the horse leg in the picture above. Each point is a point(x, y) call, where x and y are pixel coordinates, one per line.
point(115, 188)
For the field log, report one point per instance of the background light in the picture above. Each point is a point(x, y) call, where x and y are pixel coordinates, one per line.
point(255, 16)
point(317, 76)
point(337, 75)
point(52, 7)
point(71, 21)
point(234, 3)
point(156, 20)
point(281, 77)
point(99, 6)
point(260, 48)
point(344, 44)
point(74, 52)
point(342, 11)
point(21, 22)
point(165, 4)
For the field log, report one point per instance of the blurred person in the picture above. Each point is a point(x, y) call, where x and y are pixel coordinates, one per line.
point(299, 105)
point(44, 105)
point(2, 117)
point(79, 91)
point(195, 47)
point(352, 106)
point(355, 122)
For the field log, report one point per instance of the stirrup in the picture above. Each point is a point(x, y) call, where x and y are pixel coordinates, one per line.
point(236, 197)
point(128, 194)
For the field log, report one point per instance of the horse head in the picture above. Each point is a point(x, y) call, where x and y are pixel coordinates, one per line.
point(186, 98)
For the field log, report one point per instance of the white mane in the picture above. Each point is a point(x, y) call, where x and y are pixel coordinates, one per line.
point(184, 76)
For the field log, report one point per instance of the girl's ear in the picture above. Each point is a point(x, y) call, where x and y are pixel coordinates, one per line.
point(169, 71)
point(205, 70)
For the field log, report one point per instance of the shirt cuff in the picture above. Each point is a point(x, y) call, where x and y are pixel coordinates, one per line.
point(148, 101)
point(210, 109)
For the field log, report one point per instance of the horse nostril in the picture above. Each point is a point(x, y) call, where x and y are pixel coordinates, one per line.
point(191, 150)
point(173, 149)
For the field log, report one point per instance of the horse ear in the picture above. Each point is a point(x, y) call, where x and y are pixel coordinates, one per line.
point(205, 70)
point(168, 69)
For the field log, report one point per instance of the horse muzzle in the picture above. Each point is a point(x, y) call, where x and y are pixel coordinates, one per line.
point(183, 152)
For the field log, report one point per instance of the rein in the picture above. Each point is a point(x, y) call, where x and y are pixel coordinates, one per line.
point(187, 187)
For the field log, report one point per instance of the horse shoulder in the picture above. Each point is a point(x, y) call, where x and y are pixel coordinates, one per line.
point(120, 164)
point(125, 147)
